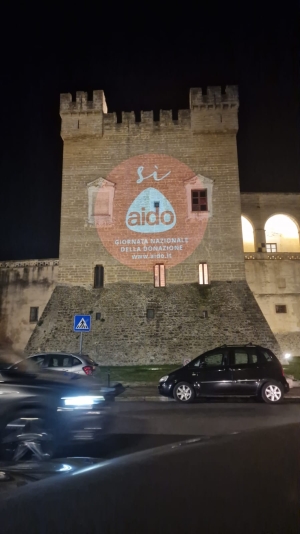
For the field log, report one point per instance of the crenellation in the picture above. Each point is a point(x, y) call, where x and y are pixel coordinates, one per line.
point(210, 112)
point(82, 104)
point(166, 117)
point(184, 118)
point(147, 118)
point(128, 117)
point(214, 98)
point(213, 95)
point(109, 120)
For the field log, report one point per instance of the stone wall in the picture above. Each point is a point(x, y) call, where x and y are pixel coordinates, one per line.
point(23, 284)
point(274, 280)
point(100, 153)
point(178, 330)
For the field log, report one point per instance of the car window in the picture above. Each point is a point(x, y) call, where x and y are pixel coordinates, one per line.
point(213, 360)
point(25, 366)
point(75, 361)
point(67, 361)
point(266, 355)
point(39, 359)
point(240, 357)
point(55, 361)
point(253, 358)
point(60, 360)
point(89, 360)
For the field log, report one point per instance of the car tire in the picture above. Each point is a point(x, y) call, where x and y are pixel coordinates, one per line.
point(27, 435)
point(272, 392)
point(184, 392)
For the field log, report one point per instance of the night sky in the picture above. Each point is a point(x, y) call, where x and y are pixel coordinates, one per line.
point(146, 60)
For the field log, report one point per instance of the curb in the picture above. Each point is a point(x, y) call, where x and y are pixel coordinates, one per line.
point(155, 398)
point(167, 399)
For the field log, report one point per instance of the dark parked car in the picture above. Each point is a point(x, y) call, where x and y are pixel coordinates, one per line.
point(235, 370)
point(40, 410)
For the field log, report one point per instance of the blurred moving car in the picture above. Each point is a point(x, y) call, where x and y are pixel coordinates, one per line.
point(20, 474)
point(65, 361)
point(40, 410)
point(226, 481)
point(233, 370)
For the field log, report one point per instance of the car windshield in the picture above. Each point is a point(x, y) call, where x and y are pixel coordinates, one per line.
point(89, 360)
point(15, 363)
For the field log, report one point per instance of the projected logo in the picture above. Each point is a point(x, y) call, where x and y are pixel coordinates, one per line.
point(150, 212)
point(143, 212)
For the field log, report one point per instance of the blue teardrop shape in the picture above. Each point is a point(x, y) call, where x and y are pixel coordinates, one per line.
point(150, 212)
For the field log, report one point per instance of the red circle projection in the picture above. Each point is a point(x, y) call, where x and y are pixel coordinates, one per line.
point(148, 216)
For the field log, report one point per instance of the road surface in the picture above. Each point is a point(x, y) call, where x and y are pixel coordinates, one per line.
point(141, 425)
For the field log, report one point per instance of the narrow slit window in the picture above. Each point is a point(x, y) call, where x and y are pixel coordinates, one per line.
point(199, 199)
point(203, 274)
point(150, 313)
point(98, 276)
point(33, 314)
point(271, 247)
point(159, 275)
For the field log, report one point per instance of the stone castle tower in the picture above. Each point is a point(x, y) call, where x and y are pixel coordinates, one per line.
point(151, 241)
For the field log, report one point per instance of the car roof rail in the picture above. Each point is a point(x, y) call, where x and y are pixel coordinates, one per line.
point(239, 345)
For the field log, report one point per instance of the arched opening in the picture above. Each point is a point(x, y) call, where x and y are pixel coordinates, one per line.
point(282, 234)
point(248, 235)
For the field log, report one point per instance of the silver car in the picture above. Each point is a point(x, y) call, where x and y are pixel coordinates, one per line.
point(66, 362)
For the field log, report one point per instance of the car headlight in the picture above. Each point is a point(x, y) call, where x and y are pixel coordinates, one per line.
point(86, 400)
point(164, 378)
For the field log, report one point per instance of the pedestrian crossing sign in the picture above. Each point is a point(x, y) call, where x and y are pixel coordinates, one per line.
point(82, 323)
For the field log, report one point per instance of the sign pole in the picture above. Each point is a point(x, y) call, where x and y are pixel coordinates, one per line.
point(82, 323)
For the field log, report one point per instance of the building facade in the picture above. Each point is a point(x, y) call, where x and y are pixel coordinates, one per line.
point(151, 242)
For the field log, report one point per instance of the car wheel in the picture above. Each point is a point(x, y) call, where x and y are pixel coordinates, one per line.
point(183, 392)
point(272, 393)
point(27, 436)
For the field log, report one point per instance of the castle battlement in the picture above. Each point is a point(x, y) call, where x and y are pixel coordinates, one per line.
point(214, 97)
point(82, 104)
point(213, 112)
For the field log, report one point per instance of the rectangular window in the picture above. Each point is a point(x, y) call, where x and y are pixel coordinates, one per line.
point(150, 313)
point(98, 276)
point(159, 275)
point(33, 314)
point(203, 273)
point(271, 247)
point(101, 203)
point(280, 308)
point(199, 199)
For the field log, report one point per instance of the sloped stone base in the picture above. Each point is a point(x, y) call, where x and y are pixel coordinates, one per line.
point(289, 342)
point(179, 329)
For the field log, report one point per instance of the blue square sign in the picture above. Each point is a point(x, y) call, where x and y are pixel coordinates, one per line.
point(82, 323)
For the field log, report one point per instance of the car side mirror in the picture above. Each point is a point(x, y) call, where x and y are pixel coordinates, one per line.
point(203, 364)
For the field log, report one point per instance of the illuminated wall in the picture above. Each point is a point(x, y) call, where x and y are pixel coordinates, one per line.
point(151, 217)
point(248, 235)
point(282, 231)
point(127, 190)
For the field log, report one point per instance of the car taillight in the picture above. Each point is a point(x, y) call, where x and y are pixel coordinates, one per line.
point(282, 371)
point(88, 370)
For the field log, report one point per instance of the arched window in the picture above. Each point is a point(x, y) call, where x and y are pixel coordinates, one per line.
point(248, 235)
point(98, 276)
point(282, 234)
